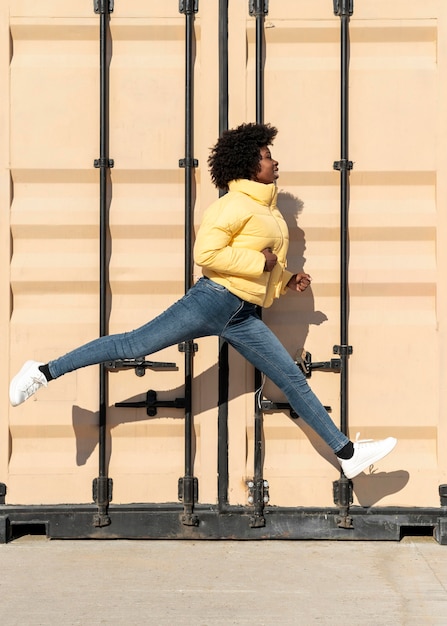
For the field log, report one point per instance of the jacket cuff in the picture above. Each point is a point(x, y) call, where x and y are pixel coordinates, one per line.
point(285, 279)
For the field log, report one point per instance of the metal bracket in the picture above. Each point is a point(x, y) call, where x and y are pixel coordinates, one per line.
point(104, 163)
point(342, 350)
point(188, 163)
point(343, 7)
point(259, 486)
point(258, 497)
point(139, 365)
point(188, 6)
point(188, 489)
point(440, 531)
point(102, 496)
point(102, 489)
point(268, 405)
point(304, 362)
point(342, 491)
point(100, 6)
point(151, 403)
point(188, 347)
point(343, 164)
point(443, 494)
point(188, 493)
point(258, 7)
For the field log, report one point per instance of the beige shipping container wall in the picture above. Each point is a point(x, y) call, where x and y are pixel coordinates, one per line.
point(49, 138)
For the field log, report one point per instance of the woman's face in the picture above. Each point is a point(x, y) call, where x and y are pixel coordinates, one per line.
point(268, 171)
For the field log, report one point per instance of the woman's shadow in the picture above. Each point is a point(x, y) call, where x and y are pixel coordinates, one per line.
point(288, 313)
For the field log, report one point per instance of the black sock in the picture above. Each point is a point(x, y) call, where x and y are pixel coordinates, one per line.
point(46, 372)
point(346, 452)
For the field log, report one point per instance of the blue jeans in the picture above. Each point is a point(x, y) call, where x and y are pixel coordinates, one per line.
point(210, 309)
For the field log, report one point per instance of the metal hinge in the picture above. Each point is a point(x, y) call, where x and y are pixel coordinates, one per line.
point(343, 7)
point(258, 7)
point(100, 6)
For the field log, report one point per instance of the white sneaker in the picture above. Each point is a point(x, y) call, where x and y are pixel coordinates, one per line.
point(26, 383)
point(365, 454)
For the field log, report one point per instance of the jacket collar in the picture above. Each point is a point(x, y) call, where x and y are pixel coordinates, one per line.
point(265, 194)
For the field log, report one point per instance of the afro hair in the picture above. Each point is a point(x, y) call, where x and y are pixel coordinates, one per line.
point(237, 155)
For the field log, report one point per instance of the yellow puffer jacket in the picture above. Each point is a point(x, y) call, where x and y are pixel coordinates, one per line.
point(233, 232)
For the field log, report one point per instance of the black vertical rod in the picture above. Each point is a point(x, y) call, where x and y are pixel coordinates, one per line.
point(223, 65)
point(188, 230)
point(343, 487)
point(189, 7)
point(101, 485)
point(223, 361)
point(344, 192)
point(259, 10)
point(259, 62)
point(103, 270)
point(344, 8)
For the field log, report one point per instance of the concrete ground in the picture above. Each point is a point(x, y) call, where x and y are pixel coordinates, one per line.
point(205, 583)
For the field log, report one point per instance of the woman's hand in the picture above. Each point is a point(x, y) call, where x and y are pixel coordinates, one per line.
point(270, 259)
point(299, 282)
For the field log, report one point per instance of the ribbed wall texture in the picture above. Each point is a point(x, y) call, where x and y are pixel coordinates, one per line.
point(49, 229)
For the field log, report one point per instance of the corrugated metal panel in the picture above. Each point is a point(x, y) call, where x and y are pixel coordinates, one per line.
point(397, 226)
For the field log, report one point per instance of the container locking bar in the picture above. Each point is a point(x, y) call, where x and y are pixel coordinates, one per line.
point(102, 492)
point(269, 405)
point(344, 9)
point(258, 9)
point(139, 365)
point(223, 357)
point(189, 8)
point(151, 403)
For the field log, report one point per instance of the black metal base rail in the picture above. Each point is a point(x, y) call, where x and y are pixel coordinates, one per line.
point(165, 521)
